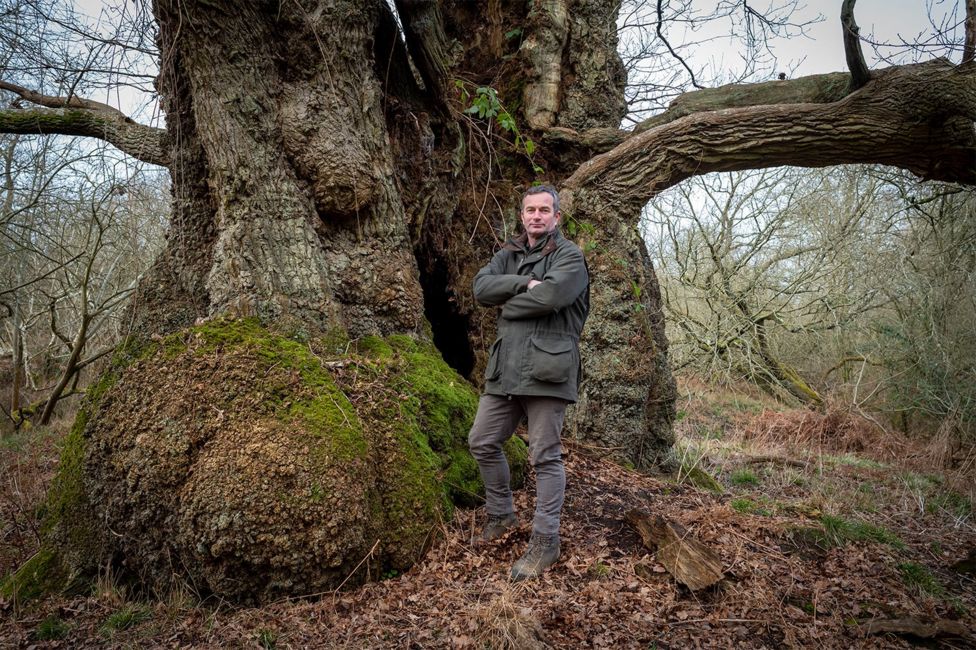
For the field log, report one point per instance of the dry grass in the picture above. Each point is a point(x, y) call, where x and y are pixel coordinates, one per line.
point(504, 623)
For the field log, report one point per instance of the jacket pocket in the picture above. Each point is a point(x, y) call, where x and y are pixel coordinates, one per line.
point(494, 368)
point(553, 360)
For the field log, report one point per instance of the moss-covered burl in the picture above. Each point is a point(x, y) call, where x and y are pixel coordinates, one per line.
point(254, 465)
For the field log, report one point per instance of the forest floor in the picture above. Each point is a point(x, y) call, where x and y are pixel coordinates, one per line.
point(831, 533)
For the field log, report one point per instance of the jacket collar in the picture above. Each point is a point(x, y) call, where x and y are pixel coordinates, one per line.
point(520, 243)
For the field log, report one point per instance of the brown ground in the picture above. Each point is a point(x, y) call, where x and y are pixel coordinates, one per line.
point(785, 586)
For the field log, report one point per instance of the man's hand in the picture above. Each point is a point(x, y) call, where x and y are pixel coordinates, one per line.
point(533, 283)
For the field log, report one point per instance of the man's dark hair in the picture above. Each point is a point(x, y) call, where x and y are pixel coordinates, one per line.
point(543, 189)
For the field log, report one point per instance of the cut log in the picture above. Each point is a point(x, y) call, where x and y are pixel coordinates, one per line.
point(916, 628)
point(690, 562)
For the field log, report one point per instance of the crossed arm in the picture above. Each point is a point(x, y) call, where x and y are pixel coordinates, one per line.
point(525, 297)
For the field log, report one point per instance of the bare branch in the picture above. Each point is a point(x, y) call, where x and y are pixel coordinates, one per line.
point(813, 89)
point(969, 49)
point(660, 35)
point(72, 101)
point(142, 142)
point(860, 74)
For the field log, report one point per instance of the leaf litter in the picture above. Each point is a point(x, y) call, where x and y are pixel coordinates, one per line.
point(781, 588)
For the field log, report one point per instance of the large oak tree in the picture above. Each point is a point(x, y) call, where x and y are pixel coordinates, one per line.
point(327, 168)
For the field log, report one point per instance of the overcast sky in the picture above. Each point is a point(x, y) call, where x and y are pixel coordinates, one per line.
point(886, 20)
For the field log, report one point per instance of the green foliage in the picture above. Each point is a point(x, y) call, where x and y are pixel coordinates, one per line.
point(749, 507)
point(853, 460)
point(599, 569)
point(837, 531)
point(268, 639)
point(951, 502)
point(484, 103)
point(574, 227)
point(743, 505)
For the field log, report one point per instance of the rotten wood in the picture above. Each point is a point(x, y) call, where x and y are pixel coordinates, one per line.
point(916, 628)
point(690, 562)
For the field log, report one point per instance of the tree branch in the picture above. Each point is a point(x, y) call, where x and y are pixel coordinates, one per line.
point(660, 35)
point(814, 89)
point(969, 49)
point(917, 117)
point(860, 74)
point(72, 101)
point(145, 143)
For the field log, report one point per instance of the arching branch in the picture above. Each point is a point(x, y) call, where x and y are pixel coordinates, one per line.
point(813, 89)
point(860, 74)
point(917, 117)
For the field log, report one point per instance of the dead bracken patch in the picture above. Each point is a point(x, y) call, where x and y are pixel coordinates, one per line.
point(833, 429)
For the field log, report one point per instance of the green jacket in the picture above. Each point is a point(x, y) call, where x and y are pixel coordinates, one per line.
point(537, 349)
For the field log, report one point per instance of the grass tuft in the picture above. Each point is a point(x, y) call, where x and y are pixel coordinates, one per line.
point(920, 580)
point(129, 616)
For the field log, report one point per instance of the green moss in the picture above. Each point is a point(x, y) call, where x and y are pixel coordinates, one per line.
point(462, 480)
point(696, 476)
point(374, 346)
point(329, 415)
point(66, 522)
point(44, 573)
point(390, 400)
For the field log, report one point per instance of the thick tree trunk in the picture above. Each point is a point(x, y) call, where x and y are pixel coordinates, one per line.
point(285, 202)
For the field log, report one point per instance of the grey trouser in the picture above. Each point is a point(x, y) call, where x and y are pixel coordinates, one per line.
point(496, 421)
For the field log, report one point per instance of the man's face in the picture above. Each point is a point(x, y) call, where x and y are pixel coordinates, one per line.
point(538, 217)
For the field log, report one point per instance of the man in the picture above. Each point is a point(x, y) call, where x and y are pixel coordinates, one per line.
point(540, 281)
